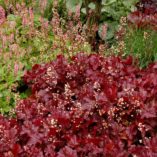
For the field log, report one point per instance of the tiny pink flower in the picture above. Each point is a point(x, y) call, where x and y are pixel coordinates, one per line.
point(31, 14)
point(4, 40)
point(77, 12)
point(24, 20)
point(104, 31)
point(11, 38)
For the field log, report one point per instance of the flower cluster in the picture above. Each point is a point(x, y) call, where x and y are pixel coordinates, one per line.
point(91, 106)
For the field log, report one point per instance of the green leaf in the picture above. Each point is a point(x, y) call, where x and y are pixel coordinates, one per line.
point(91, 6)
point(83, 10)
point(15, 18)
point(71, 4)
point(11, 17)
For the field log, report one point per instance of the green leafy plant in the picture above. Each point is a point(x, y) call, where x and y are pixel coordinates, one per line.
point(139, 42)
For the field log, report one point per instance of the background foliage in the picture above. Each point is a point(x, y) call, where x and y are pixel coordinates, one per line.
point(110, 12)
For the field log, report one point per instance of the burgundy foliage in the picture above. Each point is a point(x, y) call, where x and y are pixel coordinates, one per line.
point(146, 14)
point(89, 107)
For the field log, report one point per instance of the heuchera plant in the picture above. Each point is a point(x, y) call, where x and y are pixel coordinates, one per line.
point(146, 15)
point(90, 106)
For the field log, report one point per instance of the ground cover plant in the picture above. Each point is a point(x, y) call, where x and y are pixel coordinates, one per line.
point(78, 104)
point(88, 106)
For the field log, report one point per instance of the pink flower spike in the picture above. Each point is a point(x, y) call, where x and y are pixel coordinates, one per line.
point(16, 69)
point(104, 31)
point(2, 15)
point(24, 20)
point(31, 14)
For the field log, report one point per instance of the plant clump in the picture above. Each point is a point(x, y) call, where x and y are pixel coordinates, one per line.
point(90, 106)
